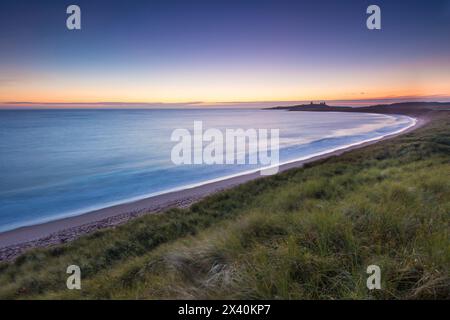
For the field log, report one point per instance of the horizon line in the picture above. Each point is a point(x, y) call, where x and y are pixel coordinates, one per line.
point(190, 104)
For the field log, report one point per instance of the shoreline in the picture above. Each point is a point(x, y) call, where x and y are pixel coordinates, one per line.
point(16, 241)
point(134, 199)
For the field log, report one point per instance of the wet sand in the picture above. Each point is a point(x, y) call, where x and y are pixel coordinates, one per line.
point(14, 242)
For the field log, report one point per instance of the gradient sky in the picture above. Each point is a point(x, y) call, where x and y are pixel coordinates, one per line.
point(222, 51)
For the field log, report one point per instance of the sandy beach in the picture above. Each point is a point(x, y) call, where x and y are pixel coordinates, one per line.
point(14, 242)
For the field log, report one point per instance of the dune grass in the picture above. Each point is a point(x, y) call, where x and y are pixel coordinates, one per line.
point(307, 233)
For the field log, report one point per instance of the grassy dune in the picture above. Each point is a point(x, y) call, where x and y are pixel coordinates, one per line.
point(306, 233)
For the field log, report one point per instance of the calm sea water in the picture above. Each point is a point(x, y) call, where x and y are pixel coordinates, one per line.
point(57, 163)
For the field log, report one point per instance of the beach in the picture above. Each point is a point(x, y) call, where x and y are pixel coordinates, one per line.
point(14, 242)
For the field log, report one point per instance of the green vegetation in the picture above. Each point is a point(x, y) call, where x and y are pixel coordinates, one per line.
point(306, 233)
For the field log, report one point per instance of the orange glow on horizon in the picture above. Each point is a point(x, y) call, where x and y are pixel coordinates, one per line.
point(212, 88)
point(81, 98)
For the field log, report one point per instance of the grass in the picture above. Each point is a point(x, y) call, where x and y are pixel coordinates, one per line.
point(307, 233)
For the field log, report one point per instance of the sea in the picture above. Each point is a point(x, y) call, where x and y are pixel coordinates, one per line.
point(58, 163)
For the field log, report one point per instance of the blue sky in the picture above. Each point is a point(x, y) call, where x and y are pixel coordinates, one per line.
point(215, 51)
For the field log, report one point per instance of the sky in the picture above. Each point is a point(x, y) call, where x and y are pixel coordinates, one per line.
point(215, 52)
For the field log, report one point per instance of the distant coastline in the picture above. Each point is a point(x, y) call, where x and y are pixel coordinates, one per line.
point(413, 109)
